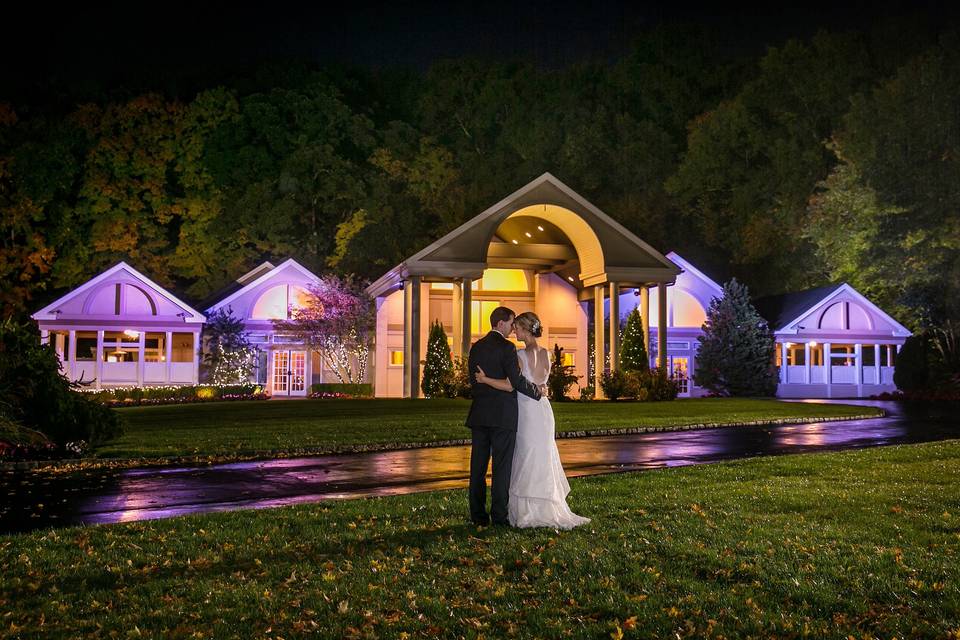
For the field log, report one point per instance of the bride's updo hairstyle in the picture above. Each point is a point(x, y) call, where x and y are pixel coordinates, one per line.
point(528, 321)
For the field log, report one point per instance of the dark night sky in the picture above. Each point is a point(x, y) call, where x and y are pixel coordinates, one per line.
point(112, 41)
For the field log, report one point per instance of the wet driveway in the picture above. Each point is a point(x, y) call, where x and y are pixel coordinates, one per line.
point(32, 501)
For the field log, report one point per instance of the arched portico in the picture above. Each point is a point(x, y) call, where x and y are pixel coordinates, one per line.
point(578, 257)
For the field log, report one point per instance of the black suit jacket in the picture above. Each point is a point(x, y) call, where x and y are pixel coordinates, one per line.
point(491, 407)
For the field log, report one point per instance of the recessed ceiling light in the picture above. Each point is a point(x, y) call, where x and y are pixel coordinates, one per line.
point(527, 233)
point(570, 278)
point(539, 227)
point(514, 242)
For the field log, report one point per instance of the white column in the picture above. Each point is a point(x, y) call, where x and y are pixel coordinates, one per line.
point(858, 355)
point(876, 361)
point(645, 317)
point(806, 362)
point(598, 342)
point(828, 363)
point(168, 352)
point(783, 362)
point(466, 309)
point(98, 363)
point(457, 308)
point(411, 337)
point(71, 354)
point(662, 325)
point(141, 346)
point(196, 357)
point(614, 325)
point(44, 336)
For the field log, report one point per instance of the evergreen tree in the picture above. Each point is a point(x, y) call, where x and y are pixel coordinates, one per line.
point(438, 367)
point(633, 352)
point(736, 356)
point(561, 377)
point(228, 357)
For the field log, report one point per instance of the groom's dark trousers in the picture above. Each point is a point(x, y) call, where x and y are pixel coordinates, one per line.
point(493, 421)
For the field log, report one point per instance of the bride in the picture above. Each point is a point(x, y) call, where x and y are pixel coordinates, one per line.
point(538, 486)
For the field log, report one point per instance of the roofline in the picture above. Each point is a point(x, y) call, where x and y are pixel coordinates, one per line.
point(269, 274)
point(490, 211)
point(845, 287)
point(685, 264)
point(46, 312)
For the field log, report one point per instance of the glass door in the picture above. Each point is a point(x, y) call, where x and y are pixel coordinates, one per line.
point(679, 369)
point(298, 373)
point(281, 373)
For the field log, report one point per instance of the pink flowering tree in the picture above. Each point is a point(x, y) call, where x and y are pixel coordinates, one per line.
point(338, 322)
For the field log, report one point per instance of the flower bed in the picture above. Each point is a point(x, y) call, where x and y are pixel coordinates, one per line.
point(137, 396)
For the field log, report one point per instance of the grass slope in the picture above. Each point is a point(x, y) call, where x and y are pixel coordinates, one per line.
point(855, 544)
point(226, 428)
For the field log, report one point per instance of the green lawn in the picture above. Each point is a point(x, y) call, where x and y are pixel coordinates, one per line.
point(231, 428)
point(858, 544)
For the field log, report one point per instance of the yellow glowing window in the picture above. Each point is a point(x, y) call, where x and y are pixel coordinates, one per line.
point(567, 359)
point(503, 280)
point(441, 285)
point(480, 315)
point(396, 358)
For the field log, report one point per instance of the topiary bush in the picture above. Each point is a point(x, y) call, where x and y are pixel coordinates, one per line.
point(437, 366)
point(613, 384)
point(653, 385)
point(633, 352)
point(562, 376)
point(38, 396)
point(458, 379)
point(912, 371)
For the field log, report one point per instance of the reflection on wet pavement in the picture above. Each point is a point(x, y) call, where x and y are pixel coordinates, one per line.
point(33, 501)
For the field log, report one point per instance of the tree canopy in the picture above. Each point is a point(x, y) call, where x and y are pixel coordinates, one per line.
point(830, 158)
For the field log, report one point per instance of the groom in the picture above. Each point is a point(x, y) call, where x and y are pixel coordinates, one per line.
point(493, 418)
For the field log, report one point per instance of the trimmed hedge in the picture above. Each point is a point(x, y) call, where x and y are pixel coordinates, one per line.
point(133, 396)
point(335, 390)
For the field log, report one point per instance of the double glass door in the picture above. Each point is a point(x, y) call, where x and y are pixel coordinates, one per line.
point(289, 373)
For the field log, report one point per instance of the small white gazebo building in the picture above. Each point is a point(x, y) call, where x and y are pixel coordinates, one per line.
point(543, 248)
point(121, 329)
point(832, 342)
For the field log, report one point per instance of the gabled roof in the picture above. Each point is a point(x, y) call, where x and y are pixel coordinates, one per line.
point(265, 274)
point(235, 285)
point(462, 252)
point(784, 310)
point(681, 262)
point(47, 313)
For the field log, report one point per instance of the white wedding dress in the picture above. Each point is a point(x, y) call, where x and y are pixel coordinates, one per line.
point(538, 486)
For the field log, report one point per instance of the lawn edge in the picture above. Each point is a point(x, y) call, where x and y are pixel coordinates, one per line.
point(83, 464)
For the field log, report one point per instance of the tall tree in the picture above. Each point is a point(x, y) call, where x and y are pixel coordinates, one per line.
point(736, 353)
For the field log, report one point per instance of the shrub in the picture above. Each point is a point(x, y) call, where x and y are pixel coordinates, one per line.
point(587, 393)
point(132, 396)
point(337, 390)
point(458, 379)
point(228, 357)
point(912, 371)
point(653, 385)
point(561, 377)
point(614, 384)
point(436, 369)
point(39, 397)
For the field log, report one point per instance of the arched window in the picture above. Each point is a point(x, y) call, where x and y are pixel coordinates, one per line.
point(687, 310)
point(276, 302)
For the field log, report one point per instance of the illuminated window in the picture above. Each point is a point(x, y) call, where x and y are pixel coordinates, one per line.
point(86, 346)
point(480, 315)
point(396, 358)
point(687, 312)
point(182, 347)
point(502, 280)
point(154, 347)
point(567, 359)
point(442, 285)
point(276, 302)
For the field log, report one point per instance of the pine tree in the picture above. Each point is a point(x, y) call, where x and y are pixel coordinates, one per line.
point(633, 352)
point(228, 357)
point(438, 366)
point(736, 355)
